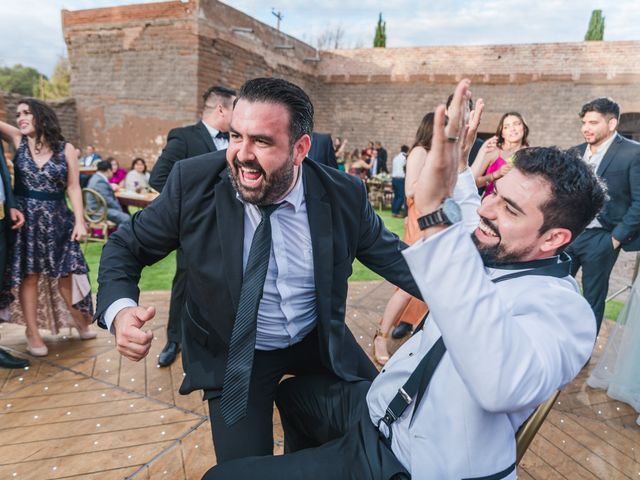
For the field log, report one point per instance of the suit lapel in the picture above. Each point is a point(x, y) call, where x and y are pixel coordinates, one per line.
point(608, 157)
point(320, 226)
point(230, 219)
point(206, 136)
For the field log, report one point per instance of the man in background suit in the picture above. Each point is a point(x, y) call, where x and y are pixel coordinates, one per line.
point(617, 161)
point(310, 222)
point(382, 158)
point(210, 134)
point(322, 150)
point(100, 183)
point(8, 205)
point(91, 157)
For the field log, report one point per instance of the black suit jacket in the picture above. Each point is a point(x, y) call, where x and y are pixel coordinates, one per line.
point(198, 210)
point(184, 142)
point(10, 201)
point(620, 169)
point(382, 160)
point(321, 150)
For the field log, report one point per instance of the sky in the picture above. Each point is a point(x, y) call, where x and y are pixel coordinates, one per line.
point(31, 31)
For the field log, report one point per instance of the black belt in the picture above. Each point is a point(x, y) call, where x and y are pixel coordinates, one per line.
point(20, 190)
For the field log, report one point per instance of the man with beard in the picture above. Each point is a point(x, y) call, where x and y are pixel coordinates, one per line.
point(268, 240)
point(617, 161)
point(507, 327)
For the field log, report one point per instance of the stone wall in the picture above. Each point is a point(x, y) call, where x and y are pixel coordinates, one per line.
point(382, 94)
point(139, 70)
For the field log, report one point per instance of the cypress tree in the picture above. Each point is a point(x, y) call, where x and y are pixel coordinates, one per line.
point(380, 38)
point(595, 32)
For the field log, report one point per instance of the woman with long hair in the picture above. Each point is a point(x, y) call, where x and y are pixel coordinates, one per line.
point(402, 307)
point(494, 158)
point(46, 254)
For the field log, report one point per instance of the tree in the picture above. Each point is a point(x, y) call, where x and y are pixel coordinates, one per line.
point(331, 38)
point(19, 79)
point(380, 38)
point(595, 32)
point(58, 86)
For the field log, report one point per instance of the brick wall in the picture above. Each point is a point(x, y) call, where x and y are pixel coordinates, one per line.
point(139, 70)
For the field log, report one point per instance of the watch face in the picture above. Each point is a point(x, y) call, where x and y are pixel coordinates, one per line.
point(452, 210)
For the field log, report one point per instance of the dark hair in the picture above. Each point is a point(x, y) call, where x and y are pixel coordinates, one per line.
point(525, 141)
point(425, 132)
point(222, 94)
point(404, 149)
point(577, 195)
point(602, 105)
point(104, 165)
point(46, 125)
point(450, 99)
point(139, 160)
point(282, 92)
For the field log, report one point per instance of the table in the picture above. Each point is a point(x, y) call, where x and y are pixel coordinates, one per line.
point(132, 199)
point(88, 170)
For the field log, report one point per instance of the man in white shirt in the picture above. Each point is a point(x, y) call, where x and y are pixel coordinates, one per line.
point(617, 161)
point(507, 327)
point(398, 166)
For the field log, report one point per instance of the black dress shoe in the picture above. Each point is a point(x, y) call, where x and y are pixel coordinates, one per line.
point(9, 361)
point(168, 354)
point(401, 330)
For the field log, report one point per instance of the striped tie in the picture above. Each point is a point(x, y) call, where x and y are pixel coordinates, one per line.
point(235, 389)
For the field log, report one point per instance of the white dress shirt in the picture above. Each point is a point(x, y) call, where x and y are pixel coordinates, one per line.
point(510, 345)
point(397, 165)
point(220, 143)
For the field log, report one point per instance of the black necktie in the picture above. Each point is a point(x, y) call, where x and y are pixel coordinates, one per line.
point(223, 135)
point(235, 389)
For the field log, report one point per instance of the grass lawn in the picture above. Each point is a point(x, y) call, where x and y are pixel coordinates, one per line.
point(160, 275)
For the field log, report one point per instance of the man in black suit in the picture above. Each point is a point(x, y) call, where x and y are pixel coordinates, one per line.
point(208, 135)
point(382, 158)
point(617, 161)
point(322, 150)
point(8, 205)
point(293, 226)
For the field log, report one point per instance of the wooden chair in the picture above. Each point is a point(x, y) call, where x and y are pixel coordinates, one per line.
point(375, 190)
point(528, 430)
point(95, 214)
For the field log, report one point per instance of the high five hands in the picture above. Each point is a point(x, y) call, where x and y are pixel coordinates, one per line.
point(450, 145)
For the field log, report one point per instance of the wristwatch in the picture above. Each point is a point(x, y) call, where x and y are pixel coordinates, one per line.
point(449, 212)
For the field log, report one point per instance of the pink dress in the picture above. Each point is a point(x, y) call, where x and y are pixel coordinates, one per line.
point(496, 165)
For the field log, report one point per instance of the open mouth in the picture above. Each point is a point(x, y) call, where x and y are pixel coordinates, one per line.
point(250, 175)
point(487, 230)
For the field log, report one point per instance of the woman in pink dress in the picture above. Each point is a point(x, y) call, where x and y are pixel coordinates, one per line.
point(494, 158)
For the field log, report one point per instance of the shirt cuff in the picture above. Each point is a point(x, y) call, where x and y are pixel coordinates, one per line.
point(114, 309)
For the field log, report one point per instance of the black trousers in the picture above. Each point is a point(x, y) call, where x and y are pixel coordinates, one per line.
point(178, 292)
point(253, 435)
point(594, 252)
point(331, 416)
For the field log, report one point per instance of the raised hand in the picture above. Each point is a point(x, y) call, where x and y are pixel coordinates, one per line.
point(440, 172)
point(131, 341)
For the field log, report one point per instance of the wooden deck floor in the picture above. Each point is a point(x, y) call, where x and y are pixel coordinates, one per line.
point(83, 412)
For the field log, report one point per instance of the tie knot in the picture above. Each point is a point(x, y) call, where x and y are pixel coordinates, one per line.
point(223, 135)
point(267, 210)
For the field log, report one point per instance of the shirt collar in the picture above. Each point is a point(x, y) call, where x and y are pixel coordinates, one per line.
point(602, 149)
point(212, 131)
point(294, 198)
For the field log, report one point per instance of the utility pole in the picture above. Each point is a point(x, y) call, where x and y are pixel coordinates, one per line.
point(278, 15)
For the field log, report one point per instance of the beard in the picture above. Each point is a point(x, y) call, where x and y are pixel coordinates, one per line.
point(498, 254)
point(273, 185)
